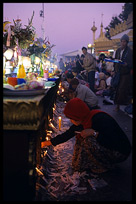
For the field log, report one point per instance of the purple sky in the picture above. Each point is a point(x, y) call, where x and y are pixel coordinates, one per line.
point(68, 25)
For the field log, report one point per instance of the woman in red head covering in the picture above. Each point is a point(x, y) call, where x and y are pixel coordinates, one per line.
point(100, 143)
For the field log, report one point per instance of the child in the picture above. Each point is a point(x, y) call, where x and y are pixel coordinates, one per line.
point(102, 84)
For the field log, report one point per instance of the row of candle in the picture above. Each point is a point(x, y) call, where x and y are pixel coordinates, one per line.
point(61, 90)
point(49, 132)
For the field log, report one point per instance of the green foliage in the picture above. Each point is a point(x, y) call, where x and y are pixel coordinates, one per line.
point(34, 49)
point(107, 34)
point(127, 9)
point(115, 21)
point(24, 36)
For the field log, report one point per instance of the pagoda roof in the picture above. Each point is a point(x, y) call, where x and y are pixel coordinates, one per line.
point(119, 35)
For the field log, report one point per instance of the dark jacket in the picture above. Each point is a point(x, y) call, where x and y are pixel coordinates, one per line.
point(111, 136)
point(78, 65)
point(123, 90)
point(126, 57)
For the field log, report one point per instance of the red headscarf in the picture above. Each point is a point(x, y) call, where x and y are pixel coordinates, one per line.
point(76, 109)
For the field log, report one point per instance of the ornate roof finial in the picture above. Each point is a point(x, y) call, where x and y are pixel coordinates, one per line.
point(93, 22)
point(94, 28)
point(101, 32)
point(102, 17)
point(102, 20)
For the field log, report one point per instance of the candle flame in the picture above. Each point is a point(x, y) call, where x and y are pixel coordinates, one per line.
point(45, 152)
point(49, 131)
point(47, 138)
point(52, 125)
point(60, 85)
point(39, 171)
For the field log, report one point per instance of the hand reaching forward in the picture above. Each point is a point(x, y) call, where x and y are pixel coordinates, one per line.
point(46, 143)
point(89, 132)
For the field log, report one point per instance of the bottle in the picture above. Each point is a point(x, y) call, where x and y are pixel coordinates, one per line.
point(46, 74)
point(41, 70)
point(4, 77)
point(21, 72)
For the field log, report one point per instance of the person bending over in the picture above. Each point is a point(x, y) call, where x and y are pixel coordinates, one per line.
point(101, 142)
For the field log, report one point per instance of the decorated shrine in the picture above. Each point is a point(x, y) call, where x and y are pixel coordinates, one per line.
point(30, 84)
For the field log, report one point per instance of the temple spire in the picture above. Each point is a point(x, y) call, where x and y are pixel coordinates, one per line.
point(102, 17)
point(101, 32)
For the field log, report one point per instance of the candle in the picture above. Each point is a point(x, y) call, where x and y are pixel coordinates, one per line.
point(52, 125)
point(60, 85)
point(54, 106)
point(44, 153)
point(47, 138)
point(59, 122)
point(49, 131)
point(39, 171)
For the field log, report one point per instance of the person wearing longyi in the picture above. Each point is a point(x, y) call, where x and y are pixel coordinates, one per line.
point(101, 142)
point(124, 89)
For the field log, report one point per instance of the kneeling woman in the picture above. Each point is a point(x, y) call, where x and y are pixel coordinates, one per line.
point(100, 142)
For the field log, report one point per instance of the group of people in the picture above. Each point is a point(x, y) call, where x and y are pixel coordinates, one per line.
point(100, 74)
point(66, 65)
point(100, 141)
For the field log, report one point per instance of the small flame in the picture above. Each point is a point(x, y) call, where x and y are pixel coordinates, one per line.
point(47, 138)
point(39, 171)
point(49, 131)
point(52, 125)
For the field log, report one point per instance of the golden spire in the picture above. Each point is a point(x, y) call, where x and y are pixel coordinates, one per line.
point(101, 32)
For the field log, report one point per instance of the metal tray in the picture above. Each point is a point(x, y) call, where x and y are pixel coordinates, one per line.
point(115, 61)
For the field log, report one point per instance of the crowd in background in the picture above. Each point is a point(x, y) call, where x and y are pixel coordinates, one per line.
point(83, 81)
point(96, 76)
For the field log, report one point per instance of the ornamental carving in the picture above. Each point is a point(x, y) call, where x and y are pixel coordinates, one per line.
point(21, 115)
point(118, 28)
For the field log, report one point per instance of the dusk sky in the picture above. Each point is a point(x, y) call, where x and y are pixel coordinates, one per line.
point(68, 25)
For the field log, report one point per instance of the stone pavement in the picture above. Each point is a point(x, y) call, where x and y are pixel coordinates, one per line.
point(64, 185)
